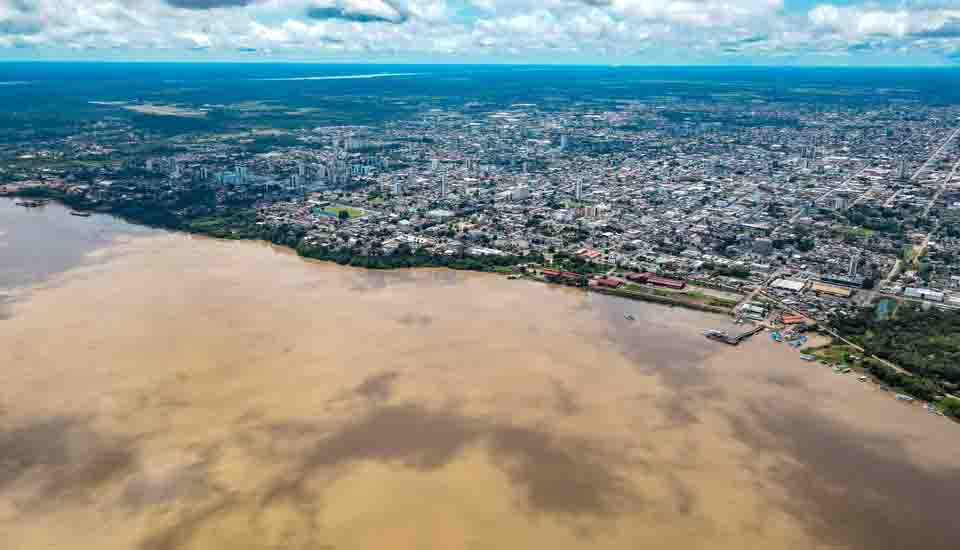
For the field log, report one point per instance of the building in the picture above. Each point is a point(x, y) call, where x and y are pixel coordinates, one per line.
point(902, 169)
point(519, 193)
point(763, 245)
point(854, 265)
point(608, 283)
point(853, 282)
point(788, 284)
point(839, 292)
point(923, 294)
point(653, 279)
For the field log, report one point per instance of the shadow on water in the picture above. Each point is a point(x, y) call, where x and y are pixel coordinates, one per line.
point(857, 489)
point(63, 458)
point(564, 477)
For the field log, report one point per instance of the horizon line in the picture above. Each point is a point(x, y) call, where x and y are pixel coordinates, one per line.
point(947, 66)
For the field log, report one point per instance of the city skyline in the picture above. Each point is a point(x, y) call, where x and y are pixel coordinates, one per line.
point(629, 32)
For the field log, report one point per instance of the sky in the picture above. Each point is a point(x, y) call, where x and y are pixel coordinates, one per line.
point(774, 32)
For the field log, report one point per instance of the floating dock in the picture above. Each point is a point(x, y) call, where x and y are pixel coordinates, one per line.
point(732, 339)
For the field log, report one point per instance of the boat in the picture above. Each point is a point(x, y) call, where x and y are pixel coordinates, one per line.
point(81, 214)
point(807, 357)
point(32, 203)
point(629, 317)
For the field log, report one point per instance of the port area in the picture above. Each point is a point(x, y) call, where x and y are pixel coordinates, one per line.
point(732, 337)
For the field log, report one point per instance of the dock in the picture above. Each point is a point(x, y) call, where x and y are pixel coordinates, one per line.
point(732, 339)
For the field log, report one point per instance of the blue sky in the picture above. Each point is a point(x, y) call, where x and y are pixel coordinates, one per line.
point(830, 32)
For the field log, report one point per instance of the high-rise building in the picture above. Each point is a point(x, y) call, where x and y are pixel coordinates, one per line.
point(443, 185)
point(854, 265)
point(578, 190)
point(902, 169)
point(563, 141)
point(839, 202)
point(397, 186)
point(434, 164)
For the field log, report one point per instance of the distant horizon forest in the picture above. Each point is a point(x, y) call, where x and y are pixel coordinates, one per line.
point(47, 100)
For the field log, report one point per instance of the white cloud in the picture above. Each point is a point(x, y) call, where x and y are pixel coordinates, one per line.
point(598, 28)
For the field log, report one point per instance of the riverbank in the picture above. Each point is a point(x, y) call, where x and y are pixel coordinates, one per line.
point(242, 225)
point(661, 299)
point(840, 355)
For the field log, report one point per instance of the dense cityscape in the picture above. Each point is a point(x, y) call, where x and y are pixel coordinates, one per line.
point(822, 209)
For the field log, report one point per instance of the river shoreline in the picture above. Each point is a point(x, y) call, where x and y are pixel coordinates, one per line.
point(418, 261)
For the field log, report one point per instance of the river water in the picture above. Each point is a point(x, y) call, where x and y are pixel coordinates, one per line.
point(162, 392)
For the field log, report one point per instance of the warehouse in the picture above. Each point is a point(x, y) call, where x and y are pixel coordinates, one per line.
point(840, 292)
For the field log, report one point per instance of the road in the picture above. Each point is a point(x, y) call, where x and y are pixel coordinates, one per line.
point(943, 187)
point(830, 191)
point(936, 154)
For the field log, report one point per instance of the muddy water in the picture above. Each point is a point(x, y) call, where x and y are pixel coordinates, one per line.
point(166, 392)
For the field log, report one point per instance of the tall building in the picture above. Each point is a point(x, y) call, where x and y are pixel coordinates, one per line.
point(563, 141)
point(902, 169)
point(397, 186)
point(434, 164)
point(839, 202)
point(578, 190)
point(854, 264)
point(443, 185)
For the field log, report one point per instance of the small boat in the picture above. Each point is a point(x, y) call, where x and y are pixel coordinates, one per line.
point(81, 214)
point(629, 317)
point(807, 357)
point(32, 203)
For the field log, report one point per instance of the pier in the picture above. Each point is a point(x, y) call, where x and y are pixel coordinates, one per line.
point(732, 339)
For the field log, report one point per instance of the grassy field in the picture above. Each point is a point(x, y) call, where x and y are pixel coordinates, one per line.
point(335, 210)
point(834, 354)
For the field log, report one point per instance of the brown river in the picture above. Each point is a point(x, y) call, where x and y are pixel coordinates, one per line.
point(161, 391)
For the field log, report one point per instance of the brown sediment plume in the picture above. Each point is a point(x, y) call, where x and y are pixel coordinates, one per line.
point(188, 393)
